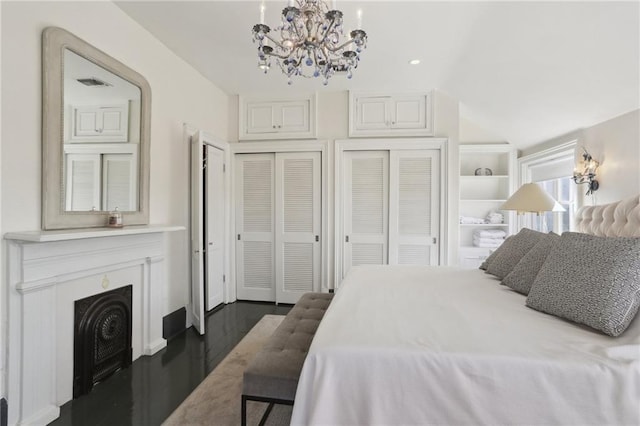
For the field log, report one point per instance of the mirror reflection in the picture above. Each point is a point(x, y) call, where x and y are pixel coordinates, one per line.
point(101, 138)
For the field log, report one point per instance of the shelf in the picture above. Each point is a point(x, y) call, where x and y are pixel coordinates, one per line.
point(484, 225)
point(477, 248)
point(81, 233)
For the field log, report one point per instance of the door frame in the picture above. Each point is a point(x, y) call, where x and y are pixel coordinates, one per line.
point(215, 142)
point(342, 145)
point(200, 138)
point(326, 181)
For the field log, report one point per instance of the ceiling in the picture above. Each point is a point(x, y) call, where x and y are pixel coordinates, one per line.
point(524, 71)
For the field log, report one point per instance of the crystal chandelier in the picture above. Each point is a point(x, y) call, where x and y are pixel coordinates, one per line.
point(309, 42)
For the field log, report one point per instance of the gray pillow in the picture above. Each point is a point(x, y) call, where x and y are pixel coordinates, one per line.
point(590, 280)
point(512, 250)
point(492, 256)
point(524, 273)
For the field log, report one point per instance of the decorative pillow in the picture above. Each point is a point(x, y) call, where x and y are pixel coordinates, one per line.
point(524, 273)
point(492, 256)
point(512, 250)
point(591, 280)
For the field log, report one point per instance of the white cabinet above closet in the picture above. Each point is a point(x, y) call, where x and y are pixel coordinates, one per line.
point(99, 123)
point(277, 118)
point(377, 114)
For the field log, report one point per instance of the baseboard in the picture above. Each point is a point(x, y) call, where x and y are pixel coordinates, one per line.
point(3, 412)
point(154, 347)
point(174, 323)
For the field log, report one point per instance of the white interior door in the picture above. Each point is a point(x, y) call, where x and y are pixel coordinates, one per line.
point(298, 224)
point(214, 226)
point(366, 208)
point(414, 182)
point(255, 208)
point(197, 233)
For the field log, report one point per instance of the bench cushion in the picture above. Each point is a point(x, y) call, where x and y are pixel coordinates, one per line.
point(275, 370)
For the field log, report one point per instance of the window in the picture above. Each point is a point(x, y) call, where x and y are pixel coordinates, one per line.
point(565, 193)
point(552, 170)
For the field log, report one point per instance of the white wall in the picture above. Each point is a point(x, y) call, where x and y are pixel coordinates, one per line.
point(179, 94)
point(616, 145)
point(470, 132)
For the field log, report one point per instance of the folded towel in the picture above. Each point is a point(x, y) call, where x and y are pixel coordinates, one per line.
point(487, 244)
point(488, 240)
point(495, 217)
point(489, 233)
point(471, 220)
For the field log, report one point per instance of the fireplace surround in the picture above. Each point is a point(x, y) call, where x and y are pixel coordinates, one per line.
point(48, 272)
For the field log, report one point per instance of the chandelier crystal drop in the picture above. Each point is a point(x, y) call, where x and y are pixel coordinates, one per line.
point(310, 42)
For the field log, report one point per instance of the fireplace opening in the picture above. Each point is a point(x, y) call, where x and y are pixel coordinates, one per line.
point(102, 338)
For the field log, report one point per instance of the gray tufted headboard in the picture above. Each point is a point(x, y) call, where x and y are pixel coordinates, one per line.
point(619, 219)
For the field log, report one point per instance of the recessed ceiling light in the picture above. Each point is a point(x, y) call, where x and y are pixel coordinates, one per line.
point(414, 61)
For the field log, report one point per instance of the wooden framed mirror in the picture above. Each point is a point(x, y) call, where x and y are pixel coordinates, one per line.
point(96, 118)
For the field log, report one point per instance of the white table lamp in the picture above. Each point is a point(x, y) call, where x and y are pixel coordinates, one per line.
point(531, 198)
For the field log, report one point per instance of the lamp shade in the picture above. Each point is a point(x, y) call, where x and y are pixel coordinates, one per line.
point(532, 198)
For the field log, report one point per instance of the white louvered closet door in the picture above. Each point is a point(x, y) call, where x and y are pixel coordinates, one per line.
point(83, 182)
point(366, 208)
point(298, 224)
point(119, 181)
point(414, 211)
point(255, 199)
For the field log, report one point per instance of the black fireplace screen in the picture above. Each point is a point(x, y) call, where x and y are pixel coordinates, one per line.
point(102, 338)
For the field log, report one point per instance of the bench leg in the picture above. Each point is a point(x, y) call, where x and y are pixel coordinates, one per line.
point(265, 416)
point(244, 411)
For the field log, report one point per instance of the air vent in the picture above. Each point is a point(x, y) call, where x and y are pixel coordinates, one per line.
point(93, 82)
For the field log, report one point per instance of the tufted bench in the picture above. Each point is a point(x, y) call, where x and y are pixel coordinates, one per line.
point(272, 376)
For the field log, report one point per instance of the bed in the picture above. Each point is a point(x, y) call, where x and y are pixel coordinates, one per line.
point(441, 345)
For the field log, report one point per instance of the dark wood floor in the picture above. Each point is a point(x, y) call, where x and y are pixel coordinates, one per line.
point(149, 390)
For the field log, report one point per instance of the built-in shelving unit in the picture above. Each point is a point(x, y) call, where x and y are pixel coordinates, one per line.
point(482, 194)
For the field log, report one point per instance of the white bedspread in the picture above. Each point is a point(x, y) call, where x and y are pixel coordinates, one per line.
point(404, 345)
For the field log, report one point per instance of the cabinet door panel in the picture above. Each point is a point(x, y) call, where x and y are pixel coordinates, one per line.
point(87, 123)
point(408, 113)
point(83, 182)
point(260, 118)
point(293, 116)
point(254, 226)
point(414, 207)
point(119, 182)
point(366, 208)
point(298, 223)
point(114, 123)
point(372, 113)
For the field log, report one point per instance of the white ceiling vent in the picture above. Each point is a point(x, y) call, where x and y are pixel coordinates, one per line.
point(93, 82)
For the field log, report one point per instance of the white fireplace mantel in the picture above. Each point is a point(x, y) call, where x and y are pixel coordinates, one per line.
point(48, 271)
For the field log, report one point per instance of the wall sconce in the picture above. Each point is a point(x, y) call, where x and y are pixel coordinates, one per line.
point(588, 173)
